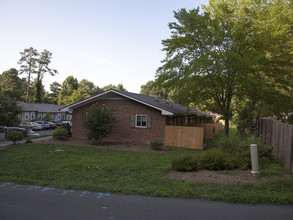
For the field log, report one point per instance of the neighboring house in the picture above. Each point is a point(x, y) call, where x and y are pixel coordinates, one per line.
point(141, 118)
point(39, 111)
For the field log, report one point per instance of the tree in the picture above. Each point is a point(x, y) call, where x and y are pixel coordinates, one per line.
point(11, 85)
point(152, 89)
point(223, 53)
point(28, 62)
point(118, 87)
point(55, 89)
point(99, 121)
point(43, 61)
point(32, 62)
point(9, 110)
point(69, 85)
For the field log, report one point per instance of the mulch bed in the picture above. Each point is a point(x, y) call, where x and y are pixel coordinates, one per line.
point(226, 177)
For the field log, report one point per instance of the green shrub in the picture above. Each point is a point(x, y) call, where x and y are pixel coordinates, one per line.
point(99, 121)
point(187, 162)
point(243, 160)
point(290, 120)
point(60, 133)
point(216, 160)
point(28, 141)
point(156, 145)
point(15, 136)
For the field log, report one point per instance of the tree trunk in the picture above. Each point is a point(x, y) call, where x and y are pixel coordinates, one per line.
point(226, 126)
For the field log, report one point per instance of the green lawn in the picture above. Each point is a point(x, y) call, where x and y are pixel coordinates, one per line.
point(104, 170)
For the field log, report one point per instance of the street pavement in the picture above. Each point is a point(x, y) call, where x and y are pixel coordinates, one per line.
point(35, 202)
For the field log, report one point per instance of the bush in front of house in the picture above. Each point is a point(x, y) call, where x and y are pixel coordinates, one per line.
point(209, 160)
point(99, 120)
point(157, 145)
point(15, 136)
point(187, 162)
point(216, 160)
point(60, 133)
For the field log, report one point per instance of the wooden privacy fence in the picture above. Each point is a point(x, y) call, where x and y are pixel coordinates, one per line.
point(280, 137)
point(183, 136)
point(210, 129)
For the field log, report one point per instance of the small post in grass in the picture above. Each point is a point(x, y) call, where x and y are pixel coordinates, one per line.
point(254, 160)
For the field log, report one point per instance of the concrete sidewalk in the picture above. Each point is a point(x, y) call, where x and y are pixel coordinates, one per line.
point(4, 144)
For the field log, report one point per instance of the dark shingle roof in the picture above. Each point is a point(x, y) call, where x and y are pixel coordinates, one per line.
point(166, 105)
point(169, 108)
point(40, 107)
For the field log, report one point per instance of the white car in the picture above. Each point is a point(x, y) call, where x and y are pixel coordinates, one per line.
point(43, 124)
point(31, 125)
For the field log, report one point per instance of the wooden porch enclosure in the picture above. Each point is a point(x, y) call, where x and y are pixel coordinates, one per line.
point(190, 136)
point(183, 136)
point(210, 129)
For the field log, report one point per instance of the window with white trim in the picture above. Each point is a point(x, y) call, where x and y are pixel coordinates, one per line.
point(141, 121)
point(33, 115)
point(26, 116)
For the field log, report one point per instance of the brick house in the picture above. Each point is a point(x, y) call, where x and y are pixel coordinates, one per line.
point(141, 118)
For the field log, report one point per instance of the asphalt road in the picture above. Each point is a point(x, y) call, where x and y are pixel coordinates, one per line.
point(34, 202)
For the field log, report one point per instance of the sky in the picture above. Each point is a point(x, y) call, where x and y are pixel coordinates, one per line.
point(103, 41)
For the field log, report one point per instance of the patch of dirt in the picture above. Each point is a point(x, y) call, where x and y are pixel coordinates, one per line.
point(226, 177)
point(107, 145)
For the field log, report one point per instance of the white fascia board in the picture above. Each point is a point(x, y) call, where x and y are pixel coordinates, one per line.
point(166, 113)
point(64, 109)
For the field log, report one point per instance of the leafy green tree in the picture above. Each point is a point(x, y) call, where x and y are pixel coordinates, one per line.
point(152, 89)
point(69, 85)
point(11, 85)
point(43, 62)
point(39, 91)
point(88, 86)
point(9, 110)
point(34, 63)
point(28, 62)
point(99, 121)
point(79, 94)
point(55, 89)
point(118, 87)
point(227, 50)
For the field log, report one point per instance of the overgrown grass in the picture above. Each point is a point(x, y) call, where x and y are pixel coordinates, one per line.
point(239, 151)
point(105, 170)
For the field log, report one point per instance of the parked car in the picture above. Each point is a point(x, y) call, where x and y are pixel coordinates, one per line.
point(31, 125)
point(52, 125)
point(26, 132)
point(60, 123)
point(44, 124)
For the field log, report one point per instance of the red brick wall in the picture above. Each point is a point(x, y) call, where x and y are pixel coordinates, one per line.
point(123, 132)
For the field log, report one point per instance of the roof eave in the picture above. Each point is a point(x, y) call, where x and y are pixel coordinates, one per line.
point(89, 100)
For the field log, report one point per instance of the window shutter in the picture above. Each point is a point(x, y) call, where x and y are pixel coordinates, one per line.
point(132, 121)
point(149, 121)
